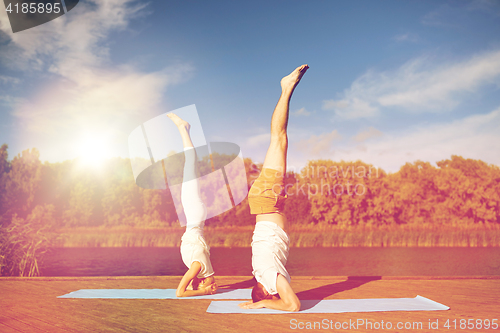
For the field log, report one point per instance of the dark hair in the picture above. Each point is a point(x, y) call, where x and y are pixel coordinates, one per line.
point(259, 293)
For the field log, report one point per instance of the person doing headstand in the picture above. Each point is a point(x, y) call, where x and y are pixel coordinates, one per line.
point(270, 242)
point(199, 279)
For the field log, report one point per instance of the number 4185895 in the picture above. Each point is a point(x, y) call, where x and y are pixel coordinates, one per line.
point(34, 7)
point(471, 324)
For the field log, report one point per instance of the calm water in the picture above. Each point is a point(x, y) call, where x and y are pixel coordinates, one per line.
point(302, 261)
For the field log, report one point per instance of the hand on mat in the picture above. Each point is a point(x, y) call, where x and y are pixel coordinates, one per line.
point(251, 305)
point(211, 289)
point(190, 286)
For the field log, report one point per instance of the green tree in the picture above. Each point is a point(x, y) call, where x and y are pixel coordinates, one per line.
point(416, 194)
point(81, 205)
point(121, 199)
point(341, 193)
point(21, 184)
point(4, 170)
point(470, 190)
point(297, 205)
point(157, 211)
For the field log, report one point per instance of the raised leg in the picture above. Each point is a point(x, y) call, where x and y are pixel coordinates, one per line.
point(276, 153)
point(194, 208)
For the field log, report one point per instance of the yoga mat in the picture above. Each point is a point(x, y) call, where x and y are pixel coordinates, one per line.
point(155, 294)
point(418, 303)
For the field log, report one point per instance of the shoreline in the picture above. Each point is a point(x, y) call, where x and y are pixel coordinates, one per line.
point(317, 236)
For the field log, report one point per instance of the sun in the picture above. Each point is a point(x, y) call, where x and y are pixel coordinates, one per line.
point(93, 149)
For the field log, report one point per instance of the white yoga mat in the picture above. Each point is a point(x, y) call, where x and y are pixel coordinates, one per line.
point(418, 303)
point(243, 294)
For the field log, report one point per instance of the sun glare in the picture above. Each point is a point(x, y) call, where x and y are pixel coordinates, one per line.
point(93, 150)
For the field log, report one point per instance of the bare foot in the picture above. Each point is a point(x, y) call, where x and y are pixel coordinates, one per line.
point(179, 122)
point(290, 81)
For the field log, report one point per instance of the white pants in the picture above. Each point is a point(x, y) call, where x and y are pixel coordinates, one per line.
point(194, 208)
point(193, 245)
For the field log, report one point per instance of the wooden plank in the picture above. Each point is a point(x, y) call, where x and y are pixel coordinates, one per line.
point(34, 303)
point(20, 325)
point(48, 325)
point(7, 329)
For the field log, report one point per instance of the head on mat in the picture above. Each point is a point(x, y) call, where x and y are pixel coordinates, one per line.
point(260, 293)
point(200, 283)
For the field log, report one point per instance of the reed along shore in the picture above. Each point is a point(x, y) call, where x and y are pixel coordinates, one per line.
point(300, 236)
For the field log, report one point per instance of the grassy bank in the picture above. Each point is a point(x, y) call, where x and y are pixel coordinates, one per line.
point(303, 236)
point(400, 236)
point(156, 237)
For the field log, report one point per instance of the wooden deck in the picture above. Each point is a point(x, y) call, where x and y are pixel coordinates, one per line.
point(30, 305)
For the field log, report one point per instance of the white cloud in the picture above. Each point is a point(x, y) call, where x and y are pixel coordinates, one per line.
point(417, 86)
point(9, 80)
point(11, 101)
point(69, 42)
point(367, 134)
point(351, 108)
point(318, 145)
point(89, 94)
point(408, 37)
point(102, 102)
point(301, 112)
point(444, 16)
point(458, 14)
point(474, 137)
point(491, 7)
point(258, 140)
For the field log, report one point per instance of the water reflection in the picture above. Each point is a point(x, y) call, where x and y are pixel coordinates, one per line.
point(302, 262)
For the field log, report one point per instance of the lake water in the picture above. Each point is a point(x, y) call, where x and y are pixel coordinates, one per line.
point(302, 262)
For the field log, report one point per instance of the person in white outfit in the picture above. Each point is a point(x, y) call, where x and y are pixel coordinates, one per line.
point(199, 279)
point(270, 242)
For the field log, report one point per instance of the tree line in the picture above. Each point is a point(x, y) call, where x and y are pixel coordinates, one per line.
point(36, 198)
point(455, 192)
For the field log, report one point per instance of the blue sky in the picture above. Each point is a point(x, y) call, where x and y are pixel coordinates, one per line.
point(389, 82)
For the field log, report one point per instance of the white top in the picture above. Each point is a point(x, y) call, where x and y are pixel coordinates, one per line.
point(194, 248)
point(270, 246)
